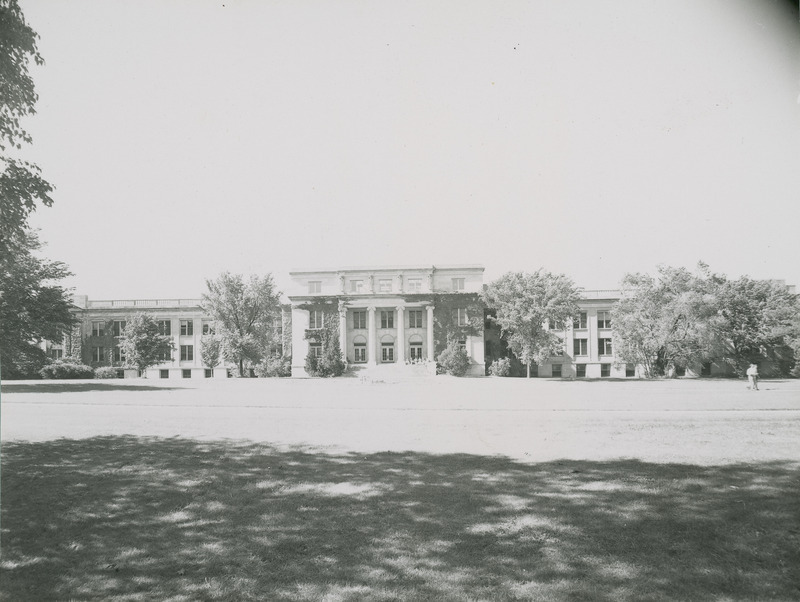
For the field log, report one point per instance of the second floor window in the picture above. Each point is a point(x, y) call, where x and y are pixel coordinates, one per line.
point(165, 327)
point(580, 320)
point(604, 346)
point(314, 286)
point(387, 319)
point(208, 327)
point(187, 327)
point(315, 318)
point(384, 286)
point(415, 318)
point(458, 284)
point(604, 319)
point(98, 330)
point(414, 285)
point(118, 327)
point(461, 316)
point(580, 347)
point(187, 353)
point(97, 354)
point(119, 355)
point(359, 319)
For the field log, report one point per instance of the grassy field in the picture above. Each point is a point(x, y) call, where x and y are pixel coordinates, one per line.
point(443, 489)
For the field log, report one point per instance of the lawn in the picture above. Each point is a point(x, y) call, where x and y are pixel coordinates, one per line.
point(478, 489)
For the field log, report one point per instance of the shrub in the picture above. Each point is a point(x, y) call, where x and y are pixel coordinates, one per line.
point(106, 372)
point(500, 367)
point(274, 366)
point(330, 363)
point(453, 360)
point(61, 369)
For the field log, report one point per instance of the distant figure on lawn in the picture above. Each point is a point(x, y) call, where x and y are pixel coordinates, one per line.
point(752, 376)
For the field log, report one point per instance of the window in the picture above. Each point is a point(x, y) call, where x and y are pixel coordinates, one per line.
point(580, 370)
point(630, 370)
point(186, 373)
point(414, 285)
point(165, 327)
point(555, 325)
point(605, 370)
point(314, 286)
point(556, 370)
point(208, 327)
point(384, 286)
point(359, 319)
point(356, 286)
point(461, 316)
point(458, 284)
point(360, 353)
point(187, 353)
point(580, 347)
point(387, 352)
point(117, 327)
point(604, 319)
point(387, 319)
point(119, 355)
point(315, 349)
point(209, 372)
point(315, 318)
point(56, 354)
point(604, 346)
point(163, 374)
point(462, 344)
point(416, 351)
point(97, 354)
point(98, 329)
point(580, 320)
point(165, 356)
point(415, 318)
point(187, 327)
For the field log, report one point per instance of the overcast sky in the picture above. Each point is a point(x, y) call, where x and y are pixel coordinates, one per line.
point(185, 138)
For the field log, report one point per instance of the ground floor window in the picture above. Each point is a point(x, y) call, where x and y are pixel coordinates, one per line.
point(209, 372)
point(163, 374)
point(360, 353)
point(630, 370)
point(557, 370)
point(416, 351)
point(56, 354)
point(387, 352)
point(187, 353)
point(605, 370)
point(580, 370)
point(187, 373)
point(315, 349)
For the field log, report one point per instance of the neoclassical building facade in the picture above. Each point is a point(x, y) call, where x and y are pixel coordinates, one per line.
point(401, 315)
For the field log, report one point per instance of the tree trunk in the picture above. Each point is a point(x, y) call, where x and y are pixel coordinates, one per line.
point(241, 368)
point(528, 367)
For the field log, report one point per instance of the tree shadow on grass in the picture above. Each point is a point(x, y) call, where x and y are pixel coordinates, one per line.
point(131, 518)
point(67, 387)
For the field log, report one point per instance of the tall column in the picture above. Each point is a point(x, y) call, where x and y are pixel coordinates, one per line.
point(430, 333)
point(372, 347)
point(401, 334)
point(343, 332)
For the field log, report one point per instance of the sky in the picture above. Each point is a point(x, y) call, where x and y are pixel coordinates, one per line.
point(189, 137)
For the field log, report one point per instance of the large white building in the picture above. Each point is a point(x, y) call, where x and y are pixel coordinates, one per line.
point(389, 315)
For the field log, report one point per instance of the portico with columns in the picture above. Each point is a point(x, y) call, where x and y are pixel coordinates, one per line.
point(385, 315)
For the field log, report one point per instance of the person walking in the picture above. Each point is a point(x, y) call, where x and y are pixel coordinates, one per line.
point(752, 376)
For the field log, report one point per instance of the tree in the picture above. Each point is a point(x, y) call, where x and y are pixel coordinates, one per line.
point(210, 350)
point(525, 306)
point(142, 343)
point(33, 308)
point(752, 317)
point(663, 322)
point(21, 183)
point(245, 312)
